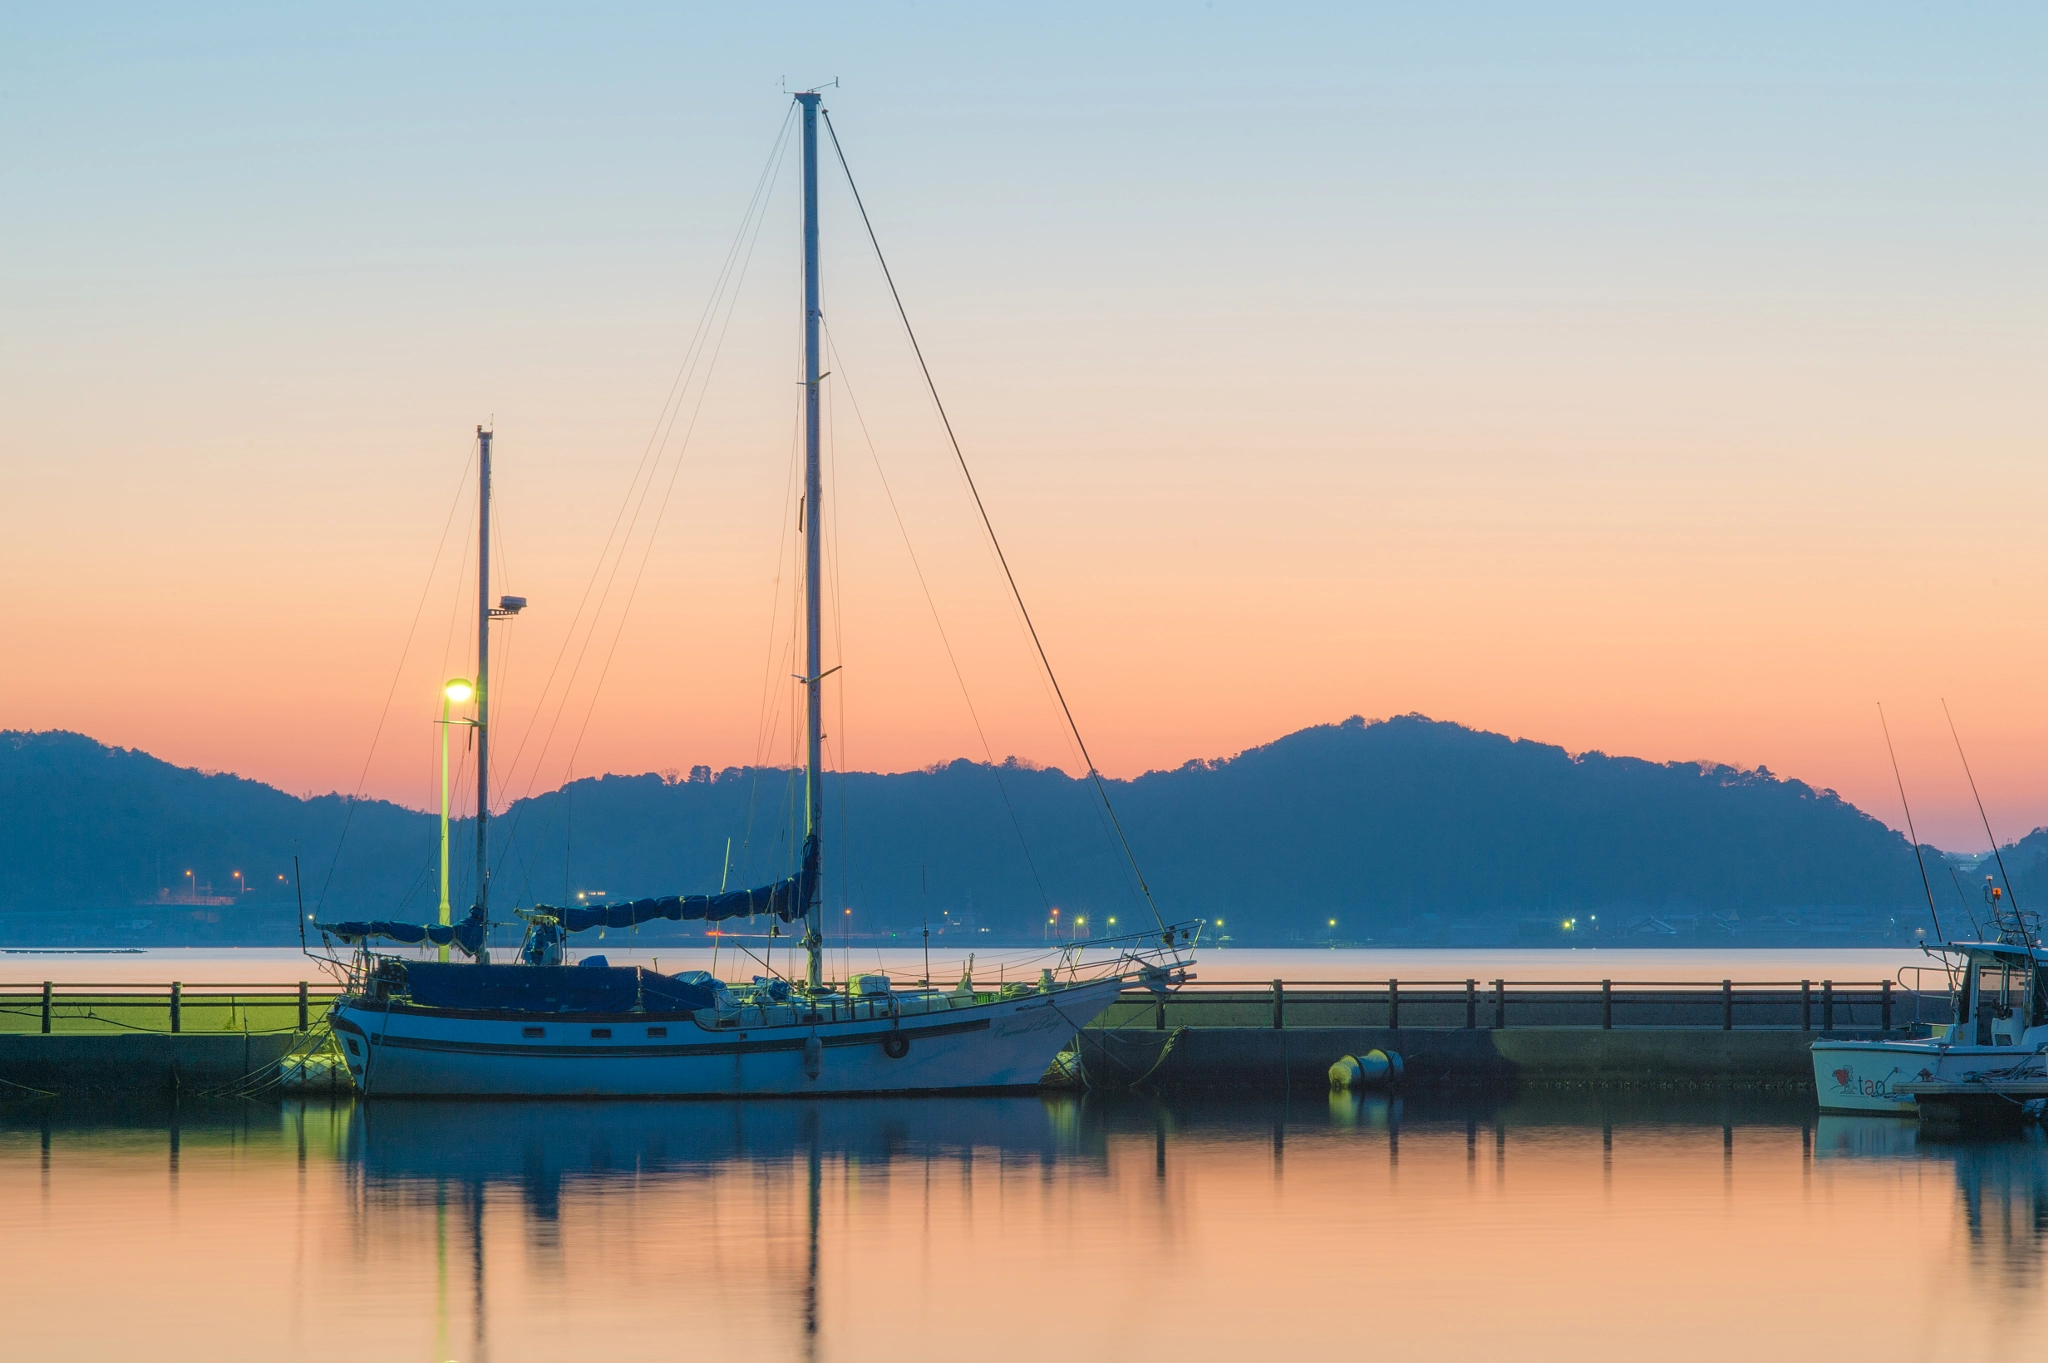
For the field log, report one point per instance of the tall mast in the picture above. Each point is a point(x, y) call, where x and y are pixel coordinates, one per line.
point(813, 525)
point(483, 673)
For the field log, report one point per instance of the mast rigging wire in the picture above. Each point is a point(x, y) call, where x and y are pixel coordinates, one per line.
point(320, 900)
point(738, 258)
point(635, 495)
point(1917, 857)
point(840, 371)
point(1016, 592)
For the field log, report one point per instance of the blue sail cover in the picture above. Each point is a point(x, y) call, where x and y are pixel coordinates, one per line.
point(468, 934)
point(786, 899)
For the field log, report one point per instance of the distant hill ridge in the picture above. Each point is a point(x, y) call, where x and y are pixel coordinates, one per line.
point(1403, 830)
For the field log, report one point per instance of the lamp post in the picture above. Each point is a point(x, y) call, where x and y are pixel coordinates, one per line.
point(454, 693)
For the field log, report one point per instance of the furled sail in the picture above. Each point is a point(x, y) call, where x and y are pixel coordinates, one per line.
point(786, 899)
point(468, 934)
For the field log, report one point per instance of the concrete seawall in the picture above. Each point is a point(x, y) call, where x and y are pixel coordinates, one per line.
point(1262, 1057)
point(140, 1062)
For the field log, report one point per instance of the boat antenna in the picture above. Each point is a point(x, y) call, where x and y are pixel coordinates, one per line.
point(1016, 592)
point(2010, 897)
point(1925, 885)
point(1956, 880)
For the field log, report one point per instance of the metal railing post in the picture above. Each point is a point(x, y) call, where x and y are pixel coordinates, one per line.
point(1500, 1004)
point(302, 1005)
point(1607, 1005)
point(1471, 1004)
point(1393, 1005)
point(177, 1006)
point(46, 1007)
point(1727, 1005)
point(1827, 1005)
point(1885, 1003)
point(1278, 999)
point(1159, 1016)
point(1806, 1005)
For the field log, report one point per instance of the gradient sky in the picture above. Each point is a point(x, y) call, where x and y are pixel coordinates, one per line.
point(1663, 383)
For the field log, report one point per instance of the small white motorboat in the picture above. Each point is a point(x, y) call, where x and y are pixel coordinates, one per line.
point(2000, 1035)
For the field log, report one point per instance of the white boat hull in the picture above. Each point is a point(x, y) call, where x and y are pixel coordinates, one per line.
point(1862, 1076)
point(397, 1050)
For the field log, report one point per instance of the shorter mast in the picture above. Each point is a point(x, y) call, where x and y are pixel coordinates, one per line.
point(483, 685)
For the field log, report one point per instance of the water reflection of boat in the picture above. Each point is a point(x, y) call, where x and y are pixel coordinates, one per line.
point(2004, 1191)
point(1837, 1136)
point(459, 1157)
point(539, 1146)
point(2001, 1186)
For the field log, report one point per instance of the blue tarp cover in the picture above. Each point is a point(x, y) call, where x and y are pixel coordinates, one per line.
point(551, 988)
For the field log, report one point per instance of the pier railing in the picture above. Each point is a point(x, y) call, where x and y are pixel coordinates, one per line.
point(177, 1006)
point(1803, 1005)
point(1730, 1004)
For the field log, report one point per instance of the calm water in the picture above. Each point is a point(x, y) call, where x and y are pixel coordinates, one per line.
point(1662, 1226)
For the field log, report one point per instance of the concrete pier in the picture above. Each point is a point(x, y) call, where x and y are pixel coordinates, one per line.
point(1262, 1057)
point(174, 1038)
point(159, 1064)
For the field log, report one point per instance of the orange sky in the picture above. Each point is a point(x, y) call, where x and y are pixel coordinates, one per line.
point(1678, 399)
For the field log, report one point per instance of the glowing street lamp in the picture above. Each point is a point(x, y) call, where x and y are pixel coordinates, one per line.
point(456, 692)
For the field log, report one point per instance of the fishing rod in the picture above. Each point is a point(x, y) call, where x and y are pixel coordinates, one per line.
point(2010, 897)
point(1918, 856)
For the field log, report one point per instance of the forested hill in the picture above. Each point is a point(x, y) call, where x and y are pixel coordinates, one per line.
point(1404, 830)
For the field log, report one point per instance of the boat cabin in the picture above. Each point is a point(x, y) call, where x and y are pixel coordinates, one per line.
point(2001, 996)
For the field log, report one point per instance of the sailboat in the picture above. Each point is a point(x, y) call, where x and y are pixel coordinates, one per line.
point(536, 1027)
